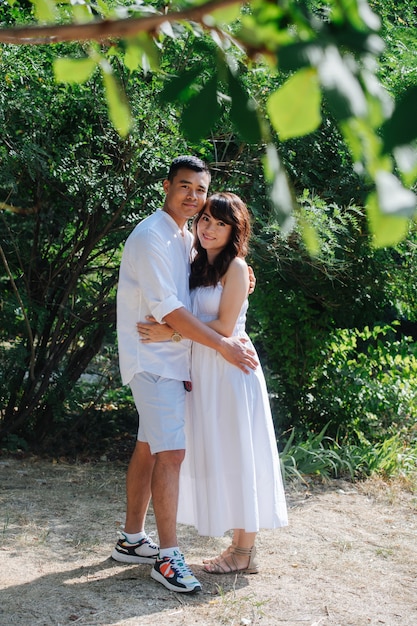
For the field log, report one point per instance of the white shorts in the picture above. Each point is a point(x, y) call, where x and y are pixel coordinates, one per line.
point(160, 403)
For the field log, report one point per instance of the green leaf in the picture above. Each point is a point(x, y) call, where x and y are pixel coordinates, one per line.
point(343, 90)
point(281, 193)
point(365, 145)
point(45, 10)
point(294, 109)
point(225, 15)
point(133, 57)
point(141, 51)
point(393, 198)
point(103, 8)
point(401, 128)
point(175, 88)
point(406, 159)
point(201, 112)
point(358, 13)
point(348, 38)
point(387, 230)
point(243, 112)
point(119, 110)
point(68, 70)
point(82, 12)
point(310, 237)
point(263, 25)
point(150, 49)
point(300, 54)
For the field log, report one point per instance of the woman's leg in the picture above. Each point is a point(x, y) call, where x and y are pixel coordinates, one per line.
point(238, 557)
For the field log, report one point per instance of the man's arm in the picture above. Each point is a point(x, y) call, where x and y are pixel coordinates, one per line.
point(231, 348)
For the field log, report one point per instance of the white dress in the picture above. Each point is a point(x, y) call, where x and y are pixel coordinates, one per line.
point(231, 476)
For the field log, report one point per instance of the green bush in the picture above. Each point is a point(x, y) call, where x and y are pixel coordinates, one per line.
point(366, 386)
point(322, 326)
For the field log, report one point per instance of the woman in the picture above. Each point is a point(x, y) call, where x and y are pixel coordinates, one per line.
point(230, 478)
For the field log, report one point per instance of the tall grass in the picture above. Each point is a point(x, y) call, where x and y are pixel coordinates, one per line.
point(321, 456)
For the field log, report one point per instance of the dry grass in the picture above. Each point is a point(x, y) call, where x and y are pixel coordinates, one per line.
point(348, 557)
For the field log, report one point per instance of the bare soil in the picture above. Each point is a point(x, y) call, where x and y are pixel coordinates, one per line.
point(347, 558)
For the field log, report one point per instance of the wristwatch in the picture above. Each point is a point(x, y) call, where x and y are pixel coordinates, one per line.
point(176, 336)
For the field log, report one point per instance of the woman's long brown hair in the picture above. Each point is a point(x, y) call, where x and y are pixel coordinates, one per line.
point(230, 209)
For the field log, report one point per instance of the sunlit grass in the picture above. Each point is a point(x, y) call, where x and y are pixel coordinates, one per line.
point(323, 456)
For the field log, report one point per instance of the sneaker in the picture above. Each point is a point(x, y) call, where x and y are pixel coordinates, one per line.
point(174, 574)
point(144, 551)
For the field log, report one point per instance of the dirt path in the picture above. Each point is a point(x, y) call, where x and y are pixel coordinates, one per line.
point(348, 557)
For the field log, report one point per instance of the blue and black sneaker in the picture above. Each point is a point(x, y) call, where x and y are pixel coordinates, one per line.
point(174, 574)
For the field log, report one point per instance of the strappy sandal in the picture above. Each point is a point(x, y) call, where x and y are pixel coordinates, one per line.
point(226, 562)
point(221, 556)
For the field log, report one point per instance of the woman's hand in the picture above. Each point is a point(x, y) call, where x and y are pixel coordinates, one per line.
point(152, 331)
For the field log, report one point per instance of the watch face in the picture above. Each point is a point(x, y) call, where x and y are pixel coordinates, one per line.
point(176, 337)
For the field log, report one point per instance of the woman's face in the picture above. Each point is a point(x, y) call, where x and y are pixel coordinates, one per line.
point(212, 233)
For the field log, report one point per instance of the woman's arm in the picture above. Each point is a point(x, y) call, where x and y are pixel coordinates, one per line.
point(236, 283)
point(235, 291)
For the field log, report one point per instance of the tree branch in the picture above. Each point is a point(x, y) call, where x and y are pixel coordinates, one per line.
point(18, 210)
point(25, 317)
point(105, 29)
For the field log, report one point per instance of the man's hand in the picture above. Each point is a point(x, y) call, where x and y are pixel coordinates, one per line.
point(252, 280)
point(234, 350)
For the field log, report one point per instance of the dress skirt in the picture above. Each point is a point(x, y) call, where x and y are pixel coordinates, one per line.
point(231, 476)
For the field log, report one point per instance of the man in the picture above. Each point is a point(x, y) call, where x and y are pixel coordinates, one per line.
point(153, 281)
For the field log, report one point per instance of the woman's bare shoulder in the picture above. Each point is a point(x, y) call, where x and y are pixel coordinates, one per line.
point(239, 263)
point(237, 268)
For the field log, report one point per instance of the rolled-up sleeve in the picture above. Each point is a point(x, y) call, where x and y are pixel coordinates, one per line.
point(155, 276)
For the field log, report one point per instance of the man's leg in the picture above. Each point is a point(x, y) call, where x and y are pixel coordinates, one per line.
point(134, 546)
point(161, 406)
point(138, 487)
point(165, 488)
point(169, 568)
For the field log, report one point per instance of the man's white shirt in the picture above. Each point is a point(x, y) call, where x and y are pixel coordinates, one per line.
point(153, 280)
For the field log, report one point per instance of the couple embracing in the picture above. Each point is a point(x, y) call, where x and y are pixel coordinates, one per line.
point(206, 451)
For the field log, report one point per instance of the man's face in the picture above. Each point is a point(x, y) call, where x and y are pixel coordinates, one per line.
point(186, 194)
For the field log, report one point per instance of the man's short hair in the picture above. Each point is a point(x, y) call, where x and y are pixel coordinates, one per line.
point(187, 162)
